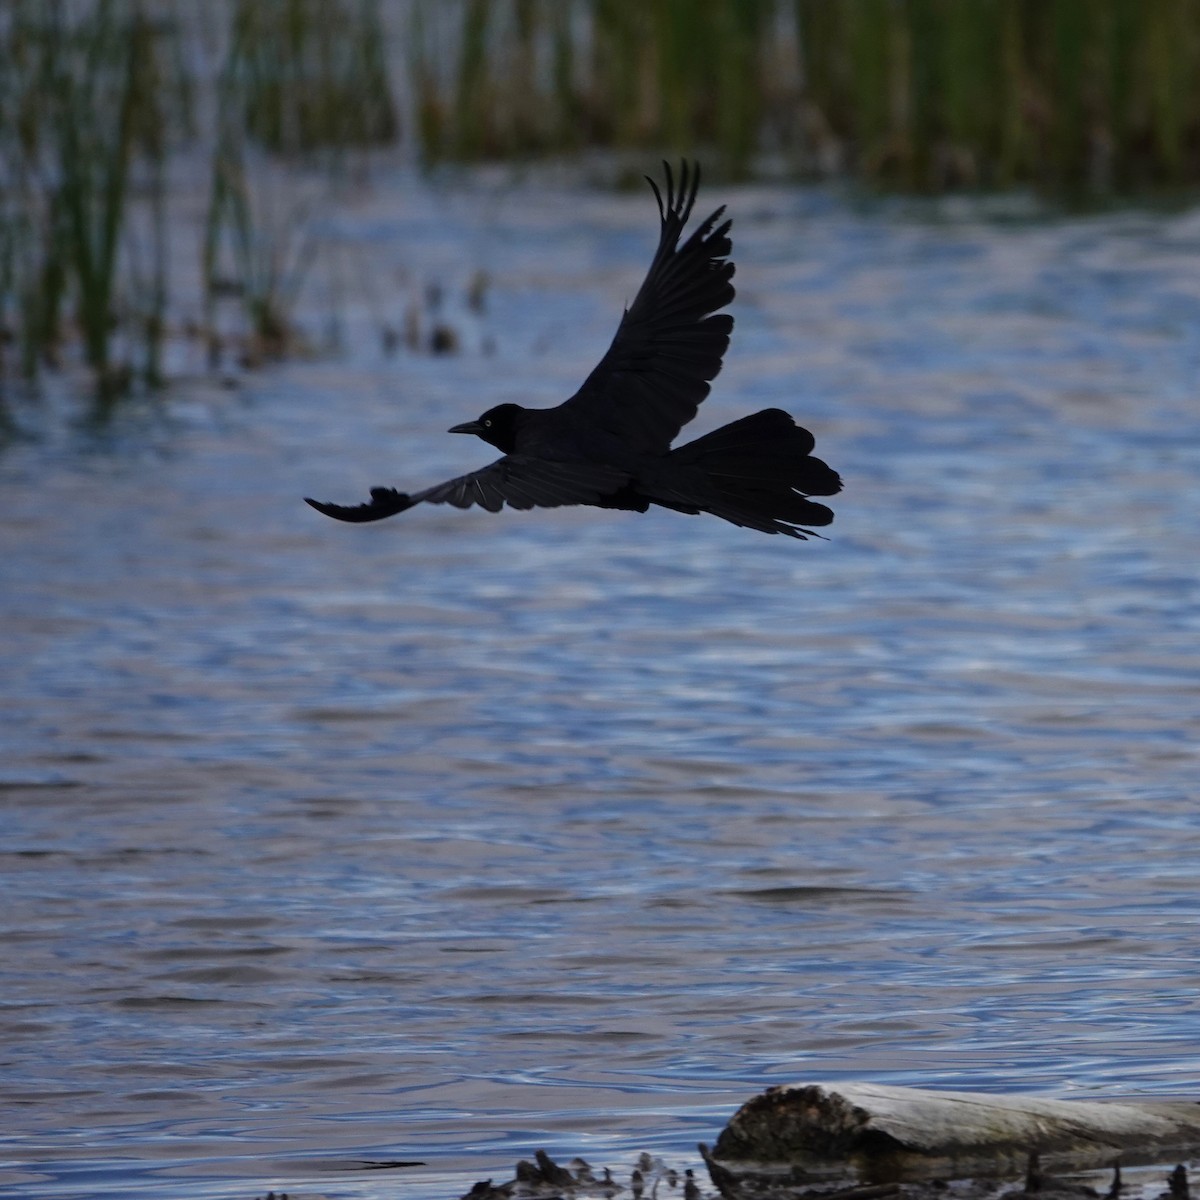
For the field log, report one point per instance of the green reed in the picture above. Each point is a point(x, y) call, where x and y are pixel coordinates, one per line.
point(1067, 95)
point(256, 249)
point(305, 80)
point(311, 74)
point(82, 153)
point(32, 264)
point(104, 121)
point(513, 78)
point(1072, 96)
point(98, 98)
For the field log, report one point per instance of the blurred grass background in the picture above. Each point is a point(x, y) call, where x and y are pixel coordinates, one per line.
point(101, 100)
point(922, 95)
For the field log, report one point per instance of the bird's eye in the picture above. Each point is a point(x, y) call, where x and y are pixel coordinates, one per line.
point(487, 422)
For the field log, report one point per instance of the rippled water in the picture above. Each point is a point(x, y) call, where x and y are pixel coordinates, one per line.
point(460, 835)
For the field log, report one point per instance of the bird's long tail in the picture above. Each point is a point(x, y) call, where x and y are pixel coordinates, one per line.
point(757, 472)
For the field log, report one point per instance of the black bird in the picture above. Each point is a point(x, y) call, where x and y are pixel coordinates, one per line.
point(609, 445)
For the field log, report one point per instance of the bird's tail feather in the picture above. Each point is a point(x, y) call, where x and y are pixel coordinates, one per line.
point(758, 472)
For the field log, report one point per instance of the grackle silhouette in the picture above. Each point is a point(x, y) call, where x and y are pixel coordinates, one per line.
point(609, 445)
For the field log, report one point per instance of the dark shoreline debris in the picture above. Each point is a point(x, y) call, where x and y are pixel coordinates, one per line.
point(1177, 1184)
point(544, 1179)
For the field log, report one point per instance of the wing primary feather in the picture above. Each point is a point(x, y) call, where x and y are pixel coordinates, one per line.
point(662, 213)
point(384, 502)
point(687, 211)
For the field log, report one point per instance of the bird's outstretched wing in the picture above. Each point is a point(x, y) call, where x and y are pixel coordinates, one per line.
point(384, 502)
point(516, 480)
point(670, 340)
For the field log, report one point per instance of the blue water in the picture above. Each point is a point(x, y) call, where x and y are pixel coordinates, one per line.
point(464, 834)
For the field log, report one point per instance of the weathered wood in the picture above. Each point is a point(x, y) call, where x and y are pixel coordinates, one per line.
point(868, 1133)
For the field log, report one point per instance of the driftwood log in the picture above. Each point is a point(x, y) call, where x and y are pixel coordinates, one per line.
point(863, 1134)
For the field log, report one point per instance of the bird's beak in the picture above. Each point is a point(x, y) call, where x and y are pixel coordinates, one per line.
point(467, 427)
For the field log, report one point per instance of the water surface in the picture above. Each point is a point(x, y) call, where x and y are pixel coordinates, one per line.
point(460, 835)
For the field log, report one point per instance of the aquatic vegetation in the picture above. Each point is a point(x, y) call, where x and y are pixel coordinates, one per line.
point(1066, 95)
point(104, 120)
point(257, 249)
point(98, 101)
point(101, 100)
point(311, 74)
point(528, 77)
point(82, 155)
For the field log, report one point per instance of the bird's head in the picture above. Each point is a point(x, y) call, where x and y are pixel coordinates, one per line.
point(498, 426)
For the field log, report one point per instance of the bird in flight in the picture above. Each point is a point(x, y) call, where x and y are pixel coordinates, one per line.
point(609, 445)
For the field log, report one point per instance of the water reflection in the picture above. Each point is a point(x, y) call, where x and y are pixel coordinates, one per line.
point(462, 834)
